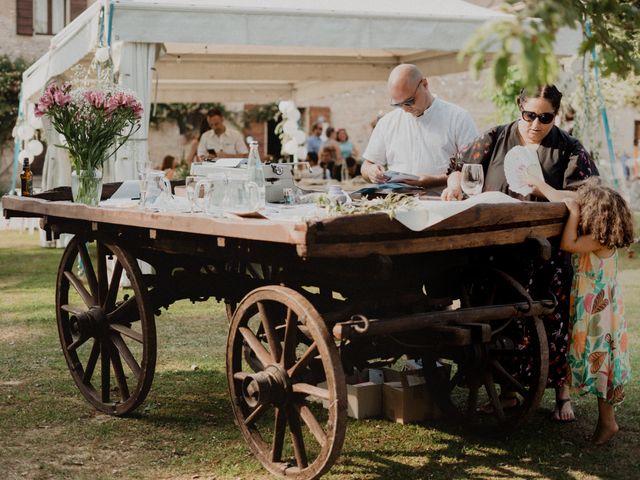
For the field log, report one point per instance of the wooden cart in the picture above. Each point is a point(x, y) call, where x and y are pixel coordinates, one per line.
point(307, 302)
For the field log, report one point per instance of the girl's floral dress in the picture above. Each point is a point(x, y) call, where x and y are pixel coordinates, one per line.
point(598, 351)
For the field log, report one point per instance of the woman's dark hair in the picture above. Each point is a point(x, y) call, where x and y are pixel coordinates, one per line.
point(312, 157)
point(548, 92)
point(167, 162)
point(330, 130)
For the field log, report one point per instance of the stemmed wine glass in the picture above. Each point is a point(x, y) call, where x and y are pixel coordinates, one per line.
point(472, 179)
point(143, 165)
point(190, 187)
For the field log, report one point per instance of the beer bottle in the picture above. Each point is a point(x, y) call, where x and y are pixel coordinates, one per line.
point(26, 179)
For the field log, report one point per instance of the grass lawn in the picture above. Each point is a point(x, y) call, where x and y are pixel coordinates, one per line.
point(185, 430)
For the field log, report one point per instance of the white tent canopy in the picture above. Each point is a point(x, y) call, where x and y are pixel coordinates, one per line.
point(258, 51)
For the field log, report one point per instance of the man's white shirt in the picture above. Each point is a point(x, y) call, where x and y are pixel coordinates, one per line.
point(421, 145)
point(229, 142)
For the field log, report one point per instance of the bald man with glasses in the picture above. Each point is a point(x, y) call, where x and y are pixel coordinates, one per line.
point(419, 136)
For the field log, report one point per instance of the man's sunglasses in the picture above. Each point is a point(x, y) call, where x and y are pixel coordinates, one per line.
point(409, 102)
point(545, 118)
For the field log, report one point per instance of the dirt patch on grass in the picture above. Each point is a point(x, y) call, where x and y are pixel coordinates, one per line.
point(18, 334)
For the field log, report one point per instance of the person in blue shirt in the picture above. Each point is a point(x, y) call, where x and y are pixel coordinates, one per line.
point(314, 142)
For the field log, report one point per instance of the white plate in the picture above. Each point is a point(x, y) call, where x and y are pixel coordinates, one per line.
point(517, 161)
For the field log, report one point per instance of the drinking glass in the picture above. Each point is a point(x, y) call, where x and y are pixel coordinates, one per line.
point(190, 187)
point(142, 167)
point(472, 178)
point(211, 191)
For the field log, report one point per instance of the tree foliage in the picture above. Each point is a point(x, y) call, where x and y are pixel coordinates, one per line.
point(10, 80)
point(533, 28)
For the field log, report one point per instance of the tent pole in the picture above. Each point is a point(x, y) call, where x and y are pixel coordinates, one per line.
point(603, 110)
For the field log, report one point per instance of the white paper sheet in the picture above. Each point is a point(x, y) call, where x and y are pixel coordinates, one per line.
point(430, 212)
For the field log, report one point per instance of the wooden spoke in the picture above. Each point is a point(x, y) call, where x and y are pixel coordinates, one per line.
point(308, 389)
point(312, 423)
point(121, 380)
point(240, 376)
point(254, 344)
point(504, 375)
point(126, 311)
point(296, 437)
point(290, 340)
point(114, 286)
point(306, 358)
point(270, 332)
point(103, 281)
point(80, 288)
point(490, 387)
point(77, 343)
point(127, 332)
point(124, 351)
point(91, 363)
point(256, 414)
point(105, 371)
point(279, 430)
point(89, 272)
point(73, 309)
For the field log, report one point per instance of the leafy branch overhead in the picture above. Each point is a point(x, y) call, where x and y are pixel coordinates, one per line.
point(527, 37)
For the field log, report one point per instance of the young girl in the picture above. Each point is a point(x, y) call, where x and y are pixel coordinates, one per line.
point(599, 223)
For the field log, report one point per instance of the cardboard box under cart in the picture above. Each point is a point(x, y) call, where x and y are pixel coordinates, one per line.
point(405, 397)
point(364, 398)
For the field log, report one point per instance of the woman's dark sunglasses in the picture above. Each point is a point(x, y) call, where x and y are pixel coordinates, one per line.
point(545, 118)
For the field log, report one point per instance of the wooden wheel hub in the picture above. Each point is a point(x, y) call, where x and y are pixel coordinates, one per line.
point(269, 386)
point(92, 323)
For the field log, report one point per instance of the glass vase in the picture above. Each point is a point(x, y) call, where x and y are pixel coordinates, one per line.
point(86, 186)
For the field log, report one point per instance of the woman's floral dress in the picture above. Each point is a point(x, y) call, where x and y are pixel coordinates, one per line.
point(598, 349)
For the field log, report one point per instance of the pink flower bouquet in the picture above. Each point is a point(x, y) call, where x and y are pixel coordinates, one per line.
point(94, 123)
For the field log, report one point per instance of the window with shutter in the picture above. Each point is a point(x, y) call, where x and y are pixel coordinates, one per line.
point(24, 20)
point(47, 17)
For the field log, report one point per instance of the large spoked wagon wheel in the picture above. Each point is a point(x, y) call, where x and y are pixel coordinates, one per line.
point(495, 384)
point(107, 334)
point(278, 408)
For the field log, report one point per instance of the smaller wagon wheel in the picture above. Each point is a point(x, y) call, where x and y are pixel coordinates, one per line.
point(467, 382)
point(108, 337)
point(278, 407)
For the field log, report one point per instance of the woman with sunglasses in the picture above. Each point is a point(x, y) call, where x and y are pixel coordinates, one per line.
point(566, 164)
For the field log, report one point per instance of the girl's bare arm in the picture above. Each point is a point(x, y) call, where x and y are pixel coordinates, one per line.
point(542, 188)
point(571, 240)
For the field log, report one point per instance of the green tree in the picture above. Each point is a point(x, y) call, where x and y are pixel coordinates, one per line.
point(533, 27)
point(10, 80)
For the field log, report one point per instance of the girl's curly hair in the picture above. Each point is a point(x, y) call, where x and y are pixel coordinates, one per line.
point(605, 215)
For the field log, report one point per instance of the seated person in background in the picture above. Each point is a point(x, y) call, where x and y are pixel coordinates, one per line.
point(220, 142)
point(326, 163)
point(314, 142)
point(332, 147)
point(353, 167)
point(347, 148)
point(169, 164)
